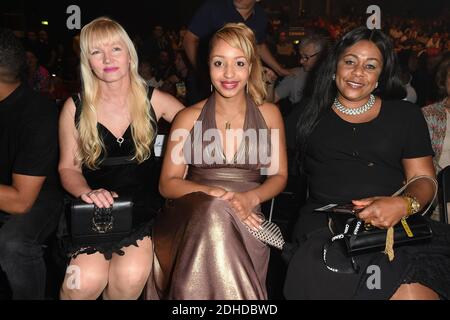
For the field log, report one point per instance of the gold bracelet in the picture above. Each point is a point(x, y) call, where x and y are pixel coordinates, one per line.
point(413, 204)
point(408, 205)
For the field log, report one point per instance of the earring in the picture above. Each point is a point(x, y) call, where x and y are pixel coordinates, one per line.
point(334, 76)
point(376, 85)
point(211, 88)
point(246, 87)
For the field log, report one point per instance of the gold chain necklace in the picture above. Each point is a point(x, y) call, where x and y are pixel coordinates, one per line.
point(228, 122)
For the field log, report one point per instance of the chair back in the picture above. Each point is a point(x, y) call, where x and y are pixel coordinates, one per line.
point(444, 193)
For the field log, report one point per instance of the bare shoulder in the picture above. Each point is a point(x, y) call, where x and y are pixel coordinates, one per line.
point(199, 105)
point(67, 127)
point(160, 96)
point(271, 114)
point(186, 117)
point(68, 109)
point(165, 105)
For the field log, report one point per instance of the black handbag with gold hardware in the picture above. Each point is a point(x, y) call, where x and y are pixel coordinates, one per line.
point(90, 225)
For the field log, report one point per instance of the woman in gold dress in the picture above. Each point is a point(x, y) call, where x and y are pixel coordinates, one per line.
point(213, 179)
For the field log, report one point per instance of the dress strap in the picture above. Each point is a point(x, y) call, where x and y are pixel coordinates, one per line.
point(77, 101)
point(153, 123)
point(150, 92)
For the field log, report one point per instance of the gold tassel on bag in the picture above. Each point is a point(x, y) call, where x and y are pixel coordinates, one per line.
point(389, 249)
point(412, 209)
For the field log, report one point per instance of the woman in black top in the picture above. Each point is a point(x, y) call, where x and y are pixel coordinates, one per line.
point(115, 117)
point(359, 145)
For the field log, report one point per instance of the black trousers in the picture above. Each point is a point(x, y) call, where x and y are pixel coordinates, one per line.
point(21, 247)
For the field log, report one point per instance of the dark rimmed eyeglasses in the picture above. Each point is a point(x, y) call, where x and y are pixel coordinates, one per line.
point(306, 58)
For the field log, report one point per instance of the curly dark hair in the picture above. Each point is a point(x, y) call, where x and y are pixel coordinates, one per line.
point(325, 90)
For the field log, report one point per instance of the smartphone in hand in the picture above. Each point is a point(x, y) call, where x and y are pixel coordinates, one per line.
point(348, 208)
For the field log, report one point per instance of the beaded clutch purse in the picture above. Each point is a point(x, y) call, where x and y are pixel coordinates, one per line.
point(270, 234)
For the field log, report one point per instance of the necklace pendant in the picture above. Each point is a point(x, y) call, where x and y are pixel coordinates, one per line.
point(120, 141)
point(227, 125)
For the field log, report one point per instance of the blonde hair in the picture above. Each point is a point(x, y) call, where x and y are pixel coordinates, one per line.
point(100, 31)
point(241, 37)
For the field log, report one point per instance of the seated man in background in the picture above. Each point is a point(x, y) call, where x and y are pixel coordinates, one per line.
point(30, 202)
point(312, 48)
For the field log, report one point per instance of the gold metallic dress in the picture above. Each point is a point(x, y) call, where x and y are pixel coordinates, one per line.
point(202, 249)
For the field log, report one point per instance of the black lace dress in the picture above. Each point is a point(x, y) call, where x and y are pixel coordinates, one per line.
point(132, 179)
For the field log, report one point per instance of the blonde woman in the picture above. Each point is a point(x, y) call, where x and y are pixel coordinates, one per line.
point(114, 116)
point(203, 247)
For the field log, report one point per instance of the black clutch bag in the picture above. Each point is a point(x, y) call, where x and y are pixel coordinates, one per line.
point(91, 225)
point(360, 238)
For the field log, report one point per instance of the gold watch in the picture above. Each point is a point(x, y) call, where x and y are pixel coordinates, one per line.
point(413, 205)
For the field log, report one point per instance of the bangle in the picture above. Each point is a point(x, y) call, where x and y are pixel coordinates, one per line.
point(413, 206)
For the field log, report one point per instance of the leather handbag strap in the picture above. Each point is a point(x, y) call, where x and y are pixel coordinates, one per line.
point(399, 191)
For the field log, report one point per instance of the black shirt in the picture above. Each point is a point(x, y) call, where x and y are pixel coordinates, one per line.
point(214, 14)
point(347, 161)
point(29, 138)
